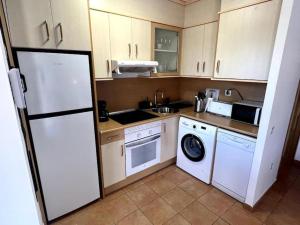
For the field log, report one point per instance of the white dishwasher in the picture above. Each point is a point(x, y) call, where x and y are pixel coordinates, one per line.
point(233, 162)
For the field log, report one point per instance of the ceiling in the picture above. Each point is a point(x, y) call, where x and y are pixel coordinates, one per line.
point(184, 2)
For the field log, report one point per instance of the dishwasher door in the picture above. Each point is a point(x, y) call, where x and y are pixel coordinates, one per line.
point(233, 162)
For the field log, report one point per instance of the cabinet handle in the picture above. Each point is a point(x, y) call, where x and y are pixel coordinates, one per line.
point(198, 64)
point(203, 67)
point(136, 50)
point(61, 33)
point(122, 150)
point(112, 137)
point(108, 67)
point(218, 66)
point(129, 49)
point(47, 30)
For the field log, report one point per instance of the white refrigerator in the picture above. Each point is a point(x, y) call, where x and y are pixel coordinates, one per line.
point(60, 114)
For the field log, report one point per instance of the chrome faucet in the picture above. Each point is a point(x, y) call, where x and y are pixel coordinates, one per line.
point(155, 97)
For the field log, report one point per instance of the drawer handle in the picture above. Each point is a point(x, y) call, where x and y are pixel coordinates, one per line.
point(203, 67)
point(112, 137)
point(136, 50)
point(129, 50)
point(59, 26)
point(108, 67)
point(198, 67)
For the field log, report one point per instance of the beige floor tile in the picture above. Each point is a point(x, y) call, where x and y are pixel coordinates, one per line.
point(166, 170)
point(133, 186)
point(236, 215)
point(177, 177)
point(160, 185)
point(178, 199)
point(195, 187)
point(220, 222)
point(142, 195)
point(135, 218)
point(120, 207)
point(115, 194)
point(150, 177)
point(88, 219)
point(197, 214)
point(217, 201)
point(177, 220)
point(158, 211)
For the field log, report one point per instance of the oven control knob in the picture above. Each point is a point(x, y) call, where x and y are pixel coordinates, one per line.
point(194, 126)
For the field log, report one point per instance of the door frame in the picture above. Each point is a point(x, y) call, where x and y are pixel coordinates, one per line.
point(292, 137)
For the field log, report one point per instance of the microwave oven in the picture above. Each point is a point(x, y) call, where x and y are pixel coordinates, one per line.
point(246, 112)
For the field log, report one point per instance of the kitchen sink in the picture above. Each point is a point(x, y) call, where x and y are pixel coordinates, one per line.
point(164, 109)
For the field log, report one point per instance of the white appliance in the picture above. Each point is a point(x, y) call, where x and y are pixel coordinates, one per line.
point(61, 120)
point(233, 162)
point(125, 69)
point(142, 146)
point(219, 108)
point(196, 147)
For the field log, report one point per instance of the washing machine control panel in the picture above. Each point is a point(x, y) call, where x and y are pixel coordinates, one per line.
point(197, 126)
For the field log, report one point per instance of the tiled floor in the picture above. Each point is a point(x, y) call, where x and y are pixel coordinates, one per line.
point(172, 197)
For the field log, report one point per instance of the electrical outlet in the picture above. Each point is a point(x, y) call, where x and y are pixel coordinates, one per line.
point(227, 92)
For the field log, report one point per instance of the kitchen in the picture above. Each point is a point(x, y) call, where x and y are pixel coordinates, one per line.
point(162, 108)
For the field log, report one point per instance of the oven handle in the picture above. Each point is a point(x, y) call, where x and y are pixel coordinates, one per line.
point(141, 142)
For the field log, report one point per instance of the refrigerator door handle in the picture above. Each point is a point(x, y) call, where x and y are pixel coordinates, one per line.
point(23, 83)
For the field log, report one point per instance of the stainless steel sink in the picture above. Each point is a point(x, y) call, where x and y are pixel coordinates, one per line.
point(164, 109)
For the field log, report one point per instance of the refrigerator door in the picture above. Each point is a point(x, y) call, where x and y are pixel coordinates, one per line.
point(56, 82)
point(67, 161)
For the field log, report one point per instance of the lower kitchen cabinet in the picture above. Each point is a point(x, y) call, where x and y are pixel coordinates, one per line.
point(113, 162)
point(169, 137)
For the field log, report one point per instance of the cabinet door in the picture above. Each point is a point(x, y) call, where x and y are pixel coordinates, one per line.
point(100, 43)
point(120, 37)
point(209, 49)
point(113, 162)
point(169, 138)
point(71, 24)
point(192, 51)
point(30, 23)
point(245, 42)
point(141, 39)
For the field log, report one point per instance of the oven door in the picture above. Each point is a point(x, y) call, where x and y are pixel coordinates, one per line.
point(142, 154)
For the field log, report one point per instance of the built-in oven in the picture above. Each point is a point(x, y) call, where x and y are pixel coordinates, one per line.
point(142, 146)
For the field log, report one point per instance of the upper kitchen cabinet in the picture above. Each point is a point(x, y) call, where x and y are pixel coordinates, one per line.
point(100, 44)
point(192, 51)
point(130, 38)
point(71, 24)
point(198, 50)
point(62, 24)
point(245, 42)
point(30, 23)
point(141, 39)
point(166, 48)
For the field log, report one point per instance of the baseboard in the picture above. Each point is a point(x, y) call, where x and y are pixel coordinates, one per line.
point(133, 178)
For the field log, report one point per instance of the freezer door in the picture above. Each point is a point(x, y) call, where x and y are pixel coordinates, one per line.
point(66, 156)
point(55, 81)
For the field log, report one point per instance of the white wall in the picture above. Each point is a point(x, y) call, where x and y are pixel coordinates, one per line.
point(201, 12)
point(297, 156)
point(280, 94)
point(161, 11)
point(18, 204)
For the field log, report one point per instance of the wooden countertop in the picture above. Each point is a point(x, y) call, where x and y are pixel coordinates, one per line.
point(215, 120)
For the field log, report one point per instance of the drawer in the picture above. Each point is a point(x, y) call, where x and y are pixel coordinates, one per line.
point(112, 137)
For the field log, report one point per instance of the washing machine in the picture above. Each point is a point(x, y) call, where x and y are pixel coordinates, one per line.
point(196, 148)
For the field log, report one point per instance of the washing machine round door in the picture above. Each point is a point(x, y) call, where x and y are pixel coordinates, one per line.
point(192, 147)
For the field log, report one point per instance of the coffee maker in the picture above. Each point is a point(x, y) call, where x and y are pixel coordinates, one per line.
point(102, 111)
